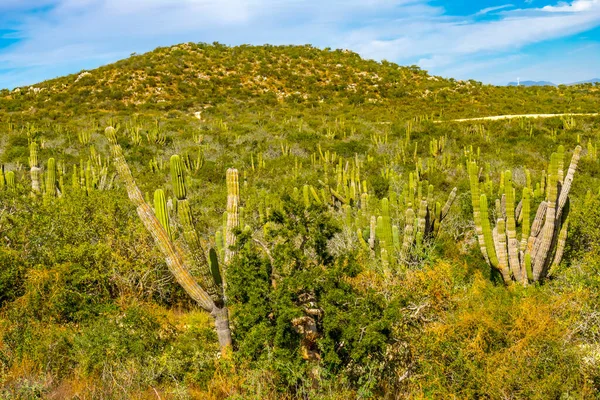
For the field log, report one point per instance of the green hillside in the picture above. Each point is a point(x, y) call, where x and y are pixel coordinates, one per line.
point(190, 77)
point(212, 222)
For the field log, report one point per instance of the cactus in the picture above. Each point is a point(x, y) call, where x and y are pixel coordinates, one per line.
point(11, 182)
point(181, 260)
point(233, 201)
point(198, 268)
point(540, 249)
point(51, 178)
point(161, 211)
point(84, 136)
point(34, 166)
point(419, 227)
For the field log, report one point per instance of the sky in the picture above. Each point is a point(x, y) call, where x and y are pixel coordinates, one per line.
point(493, 41)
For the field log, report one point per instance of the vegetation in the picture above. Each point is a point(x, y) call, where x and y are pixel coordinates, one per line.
point(288, 222)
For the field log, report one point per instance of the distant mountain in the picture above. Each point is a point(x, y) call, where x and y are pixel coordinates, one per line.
point(595, 80)
point(531, 83)
point(545, 83)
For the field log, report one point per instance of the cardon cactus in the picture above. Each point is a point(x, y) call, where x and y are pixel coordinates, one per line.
point(11, 182)
point(181, 260)
point(34, 166)
point(423, 225)
point(539, 250)
point(51, 178)
point(200, 267)
point(419, 227)
point(233, 203)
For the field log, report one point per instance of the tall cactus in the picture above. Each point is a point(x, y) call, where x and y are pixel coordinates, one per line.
point(180, 260)
point(233, 203)
point(50, 178)
point(541, 246)
point(11, 181)
point(161, 211)
point(2, 179)
point(199, 267)
point(34, 166)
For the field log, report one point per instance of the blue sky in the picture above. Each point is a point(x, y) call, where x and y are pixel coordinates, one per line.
point(489, 40)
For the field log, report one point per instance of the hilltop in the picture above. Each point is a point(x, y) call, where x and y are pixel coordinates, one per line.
point(191, 78)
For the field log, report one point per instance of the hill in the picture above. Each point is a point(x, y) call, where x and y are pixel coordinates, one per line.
point(190, 78)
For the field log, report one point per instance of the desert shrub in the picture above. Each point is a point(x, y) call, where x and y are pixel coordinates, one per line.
point(355, 325)
point(502, 343)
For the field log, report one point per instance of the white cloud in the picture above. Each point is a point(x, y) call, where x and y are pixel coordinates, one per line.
point(492, 9)
point(77, 33)
point(575, 6)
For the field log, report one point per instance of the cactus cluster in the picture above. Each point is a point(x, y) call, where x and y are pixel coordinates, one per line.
point(7, 180)
point(538, 251)
point(200, 276)
point(422, 220)
point(436, 146)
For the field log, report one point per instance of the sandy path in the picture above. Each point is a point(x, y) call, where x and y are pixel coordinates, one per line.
point(498, 117)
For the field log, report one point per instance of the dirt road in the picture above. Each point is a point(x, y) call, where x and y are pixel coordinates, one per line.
point(498, 117)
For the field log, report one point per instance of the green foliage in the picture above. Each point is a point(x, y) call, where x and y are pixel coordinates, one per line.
point(266, 297)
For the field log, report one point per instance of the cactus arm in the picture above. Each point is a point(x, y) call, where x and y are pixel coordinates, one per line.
point(560, 247)
point(372, 232)
point(475, 201)
point(487, 232)
point(543, 243)
point(361, 239)
point(528, 271)
point(561, 164)
point(338, 196)
point(396, 236)
point(315, 195)
point(386, 226)
point(161, 211)
point(500, 244)
point(519, 212)
point(409, 233)
point(511, 228)
point(448, 204)
point(305, 196)
point(214, 267)
point(567, 182)
point(525, 216)
point(421, 227)
point(536, 226)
